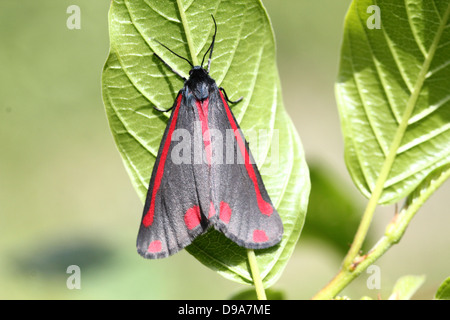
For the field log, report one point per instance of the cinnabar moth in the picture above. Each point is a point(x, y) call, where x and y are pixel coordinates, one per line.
point(211, 188)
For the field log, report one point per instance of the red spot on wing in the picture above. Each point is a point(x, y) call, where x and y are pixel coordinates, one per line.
point(264, 207)
point(202, 107)
point(225, 212)
point(212, 211)
point(148, 218)
point(192, 217)
point(154, 246)
point(259, 236)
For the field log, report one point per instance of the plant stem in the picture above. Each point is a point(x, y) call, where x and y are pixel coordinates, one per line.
point(388, 162)
point(361, 233)
point(260, 293)
point(362, 229)
point(354, 264)
point(187, 32)
point(393, 234)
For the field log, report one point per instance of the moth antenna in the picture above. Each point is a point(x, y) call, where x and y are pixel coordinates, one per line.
point(211, 46)
point(190, 63)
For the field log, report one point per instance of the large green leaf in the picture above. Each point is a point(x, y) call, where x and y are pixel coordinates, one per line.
point(134, 81)
point(393, 93)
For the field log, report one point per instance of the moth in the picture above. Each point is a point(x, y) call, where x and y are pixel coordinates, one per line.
point(215, 184)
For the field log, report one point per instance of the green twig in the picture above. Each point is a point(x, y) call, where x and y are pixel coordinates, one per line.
point(260, 292)
point(394, 232)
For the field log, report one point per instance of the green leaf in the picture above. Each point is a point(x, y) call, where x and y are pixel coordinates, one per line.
point(406, 286)
point(134, 81)
point(393, 94)
point(443, 293)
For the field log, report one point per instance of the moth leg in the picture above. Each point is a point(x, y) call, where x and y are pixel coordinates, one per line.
point(173, 106)
point(226, 97)
point(161, 110)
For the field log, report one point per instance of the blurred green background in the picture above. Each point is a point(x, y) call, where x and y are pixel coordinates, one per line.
point(65, 198)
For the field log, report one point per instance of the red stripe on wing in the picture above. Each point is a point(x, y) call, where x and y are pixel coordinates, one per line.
point(264, 207)
point(148, 218)
point(202, 107)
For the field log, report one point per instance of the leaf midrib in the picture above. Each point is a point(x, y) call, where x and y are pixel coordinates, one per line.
point(411, 103)
point(187, 32)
